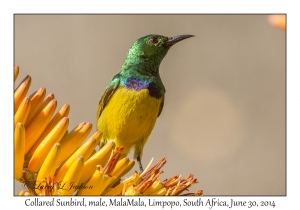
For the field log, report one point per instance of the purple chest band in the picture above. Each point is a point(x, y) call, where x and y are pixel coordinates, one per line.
point(135, 84)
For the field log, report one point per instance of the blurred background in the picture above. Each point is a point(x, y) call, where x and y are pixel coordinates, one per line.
point(225, 105)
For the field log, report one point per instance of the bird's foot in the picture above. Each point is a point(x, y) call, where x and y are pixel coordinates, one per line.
point(140, 163)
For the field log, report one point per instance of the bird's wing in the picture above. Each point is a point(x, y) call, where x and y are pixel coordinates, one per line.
point(161, 106)
point(106, 97)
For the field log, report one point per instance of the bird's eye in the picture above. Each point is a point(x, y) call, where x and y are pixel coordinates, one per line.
point(153, 40)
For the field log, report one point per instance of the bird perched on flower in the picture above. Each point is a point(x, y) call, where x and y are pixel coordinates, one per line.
point(134, 98)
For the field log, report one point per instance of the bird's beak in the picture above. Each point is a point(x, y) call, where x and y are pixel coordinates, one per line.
point(173, 40)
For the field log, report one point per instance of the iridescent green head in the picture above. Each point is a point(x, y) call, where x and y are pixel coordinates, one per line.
point(152, 48)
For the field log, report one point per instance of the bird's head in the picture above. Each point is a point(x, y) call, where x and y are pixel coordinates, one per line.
point(152, 47)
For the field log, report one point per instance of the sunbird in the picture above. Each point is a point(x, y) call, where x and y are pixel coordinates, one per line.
point(134, 98)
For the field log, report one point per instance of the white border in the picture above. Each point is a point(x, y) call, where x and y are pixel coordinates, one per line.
point(8, 8)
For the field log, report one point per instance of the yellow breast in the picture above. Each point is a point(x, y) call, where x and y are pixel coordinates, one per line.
point(129, 117)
